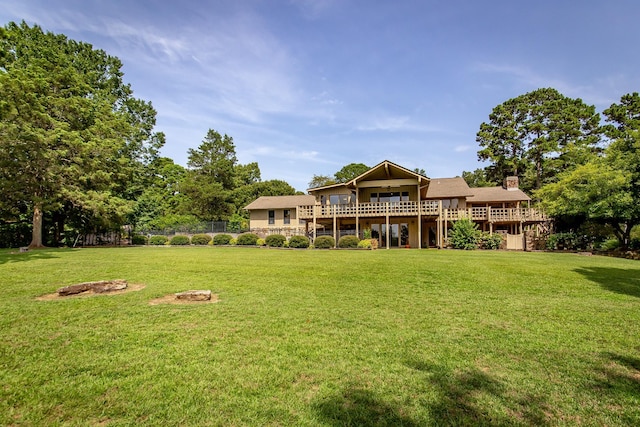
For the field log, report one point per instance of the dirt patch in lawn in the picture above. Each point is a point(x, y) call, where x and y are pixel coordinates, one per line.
point(172, 299)
point(90, 293)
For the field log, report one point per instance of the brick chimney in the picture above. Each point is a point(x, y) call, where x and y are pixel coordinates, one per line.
point(511, 183)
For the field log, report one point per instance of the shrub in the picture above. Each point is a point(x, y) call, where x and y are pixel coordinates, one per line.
point(275, 240)
point(237, 223)
point(179, 240)
point(366, 234)
point(490, 241)
point(364, 244)
point(138, 239)
point(324, 242)
point(221, 239)
point(348, 242)
point(464, 234)
point(233, 241)
point(247, 239)
point(561, 241)
point(158, 240)
point(634, 244)
point(609, 245)
point(260, 242)
point(200, 239)
point(298, 242)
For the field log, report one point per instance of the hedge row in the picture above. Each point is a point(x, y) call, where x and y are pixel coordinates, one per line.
point(251, 239)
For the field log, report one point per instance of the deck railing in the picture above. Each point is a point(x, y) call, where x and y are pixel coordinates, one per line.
point(425, 208)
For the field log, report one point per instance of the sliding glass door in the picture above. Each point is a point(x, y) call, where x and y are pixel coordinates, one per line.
point(398, 234)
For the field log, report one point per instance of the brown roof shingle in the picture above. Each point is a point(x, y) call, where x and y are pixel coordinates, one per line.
point(496, 194)
point(446, 188)
point(280, 202)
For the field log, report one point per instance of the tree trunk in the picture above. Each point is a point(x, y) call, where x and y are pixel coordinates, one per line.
point(623, 233)
point(36, 235)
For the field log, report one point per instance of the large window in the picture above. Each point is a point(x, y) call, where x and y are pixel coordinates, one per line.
point(339, 199)
point(390, 196)
point(272, 217)
point(287, 216)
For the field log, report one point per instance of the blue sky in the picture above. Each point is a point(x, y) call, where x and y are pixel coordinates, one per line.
point(305, 87)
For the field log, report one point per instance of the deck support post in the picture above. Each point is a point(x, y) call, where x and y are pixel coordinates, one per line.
point(315, 224)
point(335, 226)
point(420, 219)
point(357, 213)
point(388, 236)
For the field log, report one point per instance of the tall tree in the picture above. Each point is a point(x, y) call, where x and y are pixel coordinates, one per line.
point(215, 158)
point(321, 181)
point(607, 188)
point(71, 133)
point(350, 171)
point(536, 135)
point(478, 178)
point(211, 178)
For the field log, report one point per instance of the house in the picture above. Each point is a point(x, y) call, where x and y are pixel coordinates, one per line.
point(400, 207)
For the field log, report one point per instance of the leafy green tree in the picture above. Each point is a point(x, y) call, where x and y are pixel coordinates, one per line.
point(215, 158)
point(350, 171)
point(161, 195)
point(537, 135)
point(321, 181)
point(247, 174)
point(478, 178)
point(72, 136)
point(246, 194)
point(607, 188)
point(211, 178)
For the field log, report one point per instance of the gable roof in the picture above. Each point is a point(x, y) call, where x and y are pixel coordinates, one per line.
point(381, 171)
point(388, 170)
point(496, 194)
point(280, 202)
point(447, 188)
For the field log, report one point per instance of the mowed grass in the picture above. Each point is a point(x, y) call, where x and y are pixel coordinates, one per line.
point(387, 337)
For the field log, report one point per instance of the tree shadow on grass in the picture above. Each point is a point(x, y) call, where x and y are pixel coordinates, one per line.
point(474, 397)
point(13, 256)
point(619, 374)
point(618, 280)
point(470, 397)
point(356, 406)
point(616, 384)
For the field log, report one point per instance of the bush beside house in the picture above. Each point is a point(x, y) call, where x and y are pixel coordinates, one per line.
point(200, 239)
point(247, 239)
point(158, 240)
point(180, 240)
point(298, 242)
point(324, 242)
point(222, 239)
point(347, 242)
point(275, 240)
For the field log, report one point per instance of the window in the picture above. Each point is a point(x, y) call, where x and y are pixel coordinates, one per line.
point(287, 216)
point(339, 199)
point(393, 196)
point(450, 204)
point(272, 217)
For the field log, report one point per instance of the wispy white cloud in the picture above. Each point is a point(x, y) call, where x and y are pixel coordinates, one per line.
point(462, 148)
point(598, 91)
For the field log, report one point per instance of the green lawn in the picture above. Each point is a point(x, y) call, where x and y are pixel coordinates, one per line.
point(399, 337)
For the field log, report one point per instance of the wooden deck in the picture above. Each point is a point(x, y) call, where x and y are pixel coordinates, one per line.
point(424, 209)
